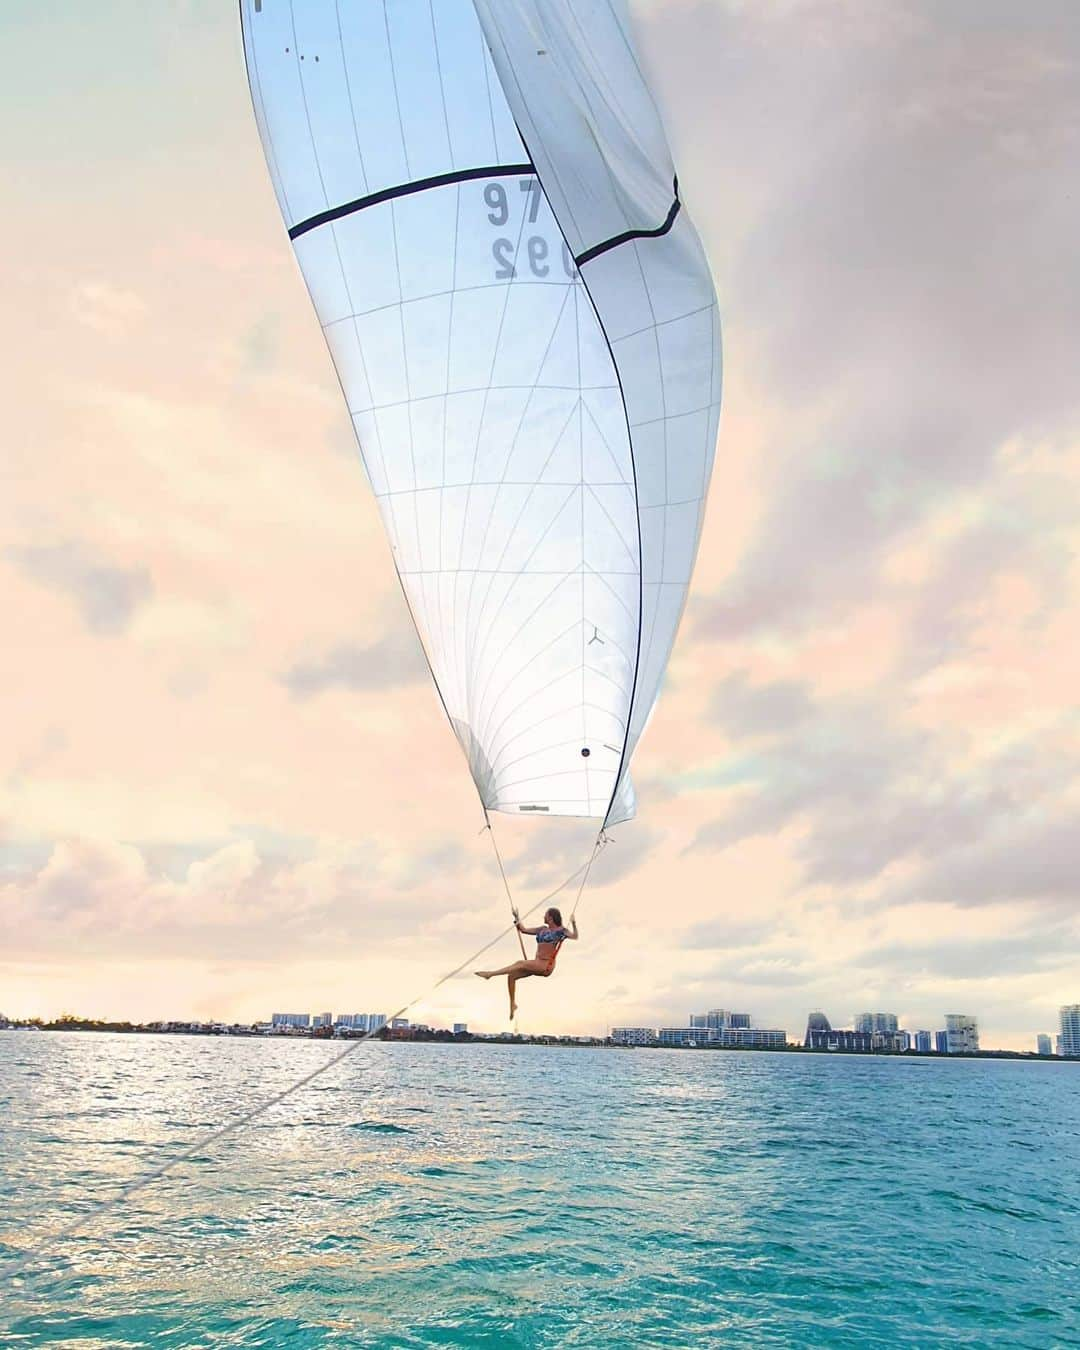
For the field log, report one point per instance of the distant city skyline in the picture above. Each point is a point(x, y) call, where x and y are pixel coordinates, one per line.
point(871, 1031)
point(718, 1026)
point(881, 1031)
point(717, 1029)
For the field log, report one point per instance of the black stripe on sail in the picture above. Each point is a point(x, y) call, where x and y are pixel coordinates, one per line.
point(406, 190)
point(627, 235)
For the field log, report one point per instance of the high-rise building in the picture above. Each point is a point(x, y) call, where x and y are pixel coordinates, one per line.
point(924, 1042)
point(1070, 1029)
point(717, 1019)
point(1043, 1045)
point(376, 1021)
point(882, 1028)
point(291, 1020)
point(816, 1021)
point(461, 1028)
point(961, 1034)
point(323, 1020)
point(941, 1042)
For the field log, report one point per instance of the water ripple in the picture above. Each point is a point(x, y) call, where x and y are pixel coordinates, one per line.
point(538, 1198)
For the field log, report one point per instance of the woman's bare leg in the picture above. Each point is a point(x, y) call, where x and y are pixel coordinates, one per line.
point(517, 968)
point(511, 982)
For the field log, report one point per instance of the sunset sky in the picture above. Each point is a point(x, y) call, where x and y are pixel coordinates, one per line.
point(226, 784)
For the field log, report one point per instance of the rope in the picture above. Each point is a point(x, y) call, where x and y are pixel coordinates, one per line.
point(9, 1269)
point(602, 841)
point(506, 884)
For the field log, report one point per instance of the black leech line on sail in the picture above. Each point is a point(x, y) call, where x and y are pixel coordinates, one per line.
point(627, 235)
point(406, 190)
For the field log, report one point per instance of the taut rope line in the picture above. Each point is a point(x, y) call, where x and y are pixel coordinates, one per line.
point(506, 884)
point(601, 842)
point(10, 1269)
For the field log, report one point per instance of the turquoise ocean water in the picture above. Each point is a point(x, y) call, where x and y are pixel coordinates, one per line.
point(489, 1196)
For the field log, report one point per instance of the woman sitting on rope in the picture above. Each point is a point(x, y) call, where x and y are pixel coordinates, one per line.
point(549, 938)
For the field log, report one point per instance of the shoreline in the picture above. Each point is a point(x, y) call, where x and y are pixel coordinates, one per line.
point(411, 1036)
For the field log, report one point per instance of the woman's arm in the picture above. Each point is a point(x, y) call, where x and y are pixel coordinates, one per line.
point(572, 932)
point(530, 932)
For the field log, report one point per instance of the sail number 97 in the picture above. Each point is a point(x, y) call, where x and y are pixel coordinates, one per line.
point(536, 248)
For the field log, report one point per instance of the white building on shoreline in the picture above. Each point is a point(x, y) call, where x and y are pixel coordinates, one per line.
point(961, 1034)
point(633, 1035)
point(718, 1027)
point(1069, 1040)
point(727, 1038)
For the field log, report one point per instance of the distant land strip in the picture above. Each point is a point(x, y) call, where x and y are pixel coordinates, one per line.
point(443, 1037)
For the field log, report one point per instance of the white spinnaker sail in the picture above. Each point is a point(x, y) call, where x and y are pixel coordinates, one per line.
point(484, 208)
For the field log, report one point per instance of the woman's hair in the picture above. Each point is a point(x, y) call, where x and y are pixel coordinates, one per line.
point(556, 915)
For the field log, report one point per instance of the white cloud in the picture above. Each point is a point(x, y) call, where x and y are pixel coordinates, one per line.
point(107, 309)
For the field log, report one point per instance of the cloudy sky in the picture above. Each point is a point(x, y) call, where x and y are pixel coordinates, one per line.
point(226, 785)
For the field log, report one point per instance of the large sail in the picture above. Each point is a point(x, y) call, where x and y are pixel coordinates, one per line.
point(483, 205)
